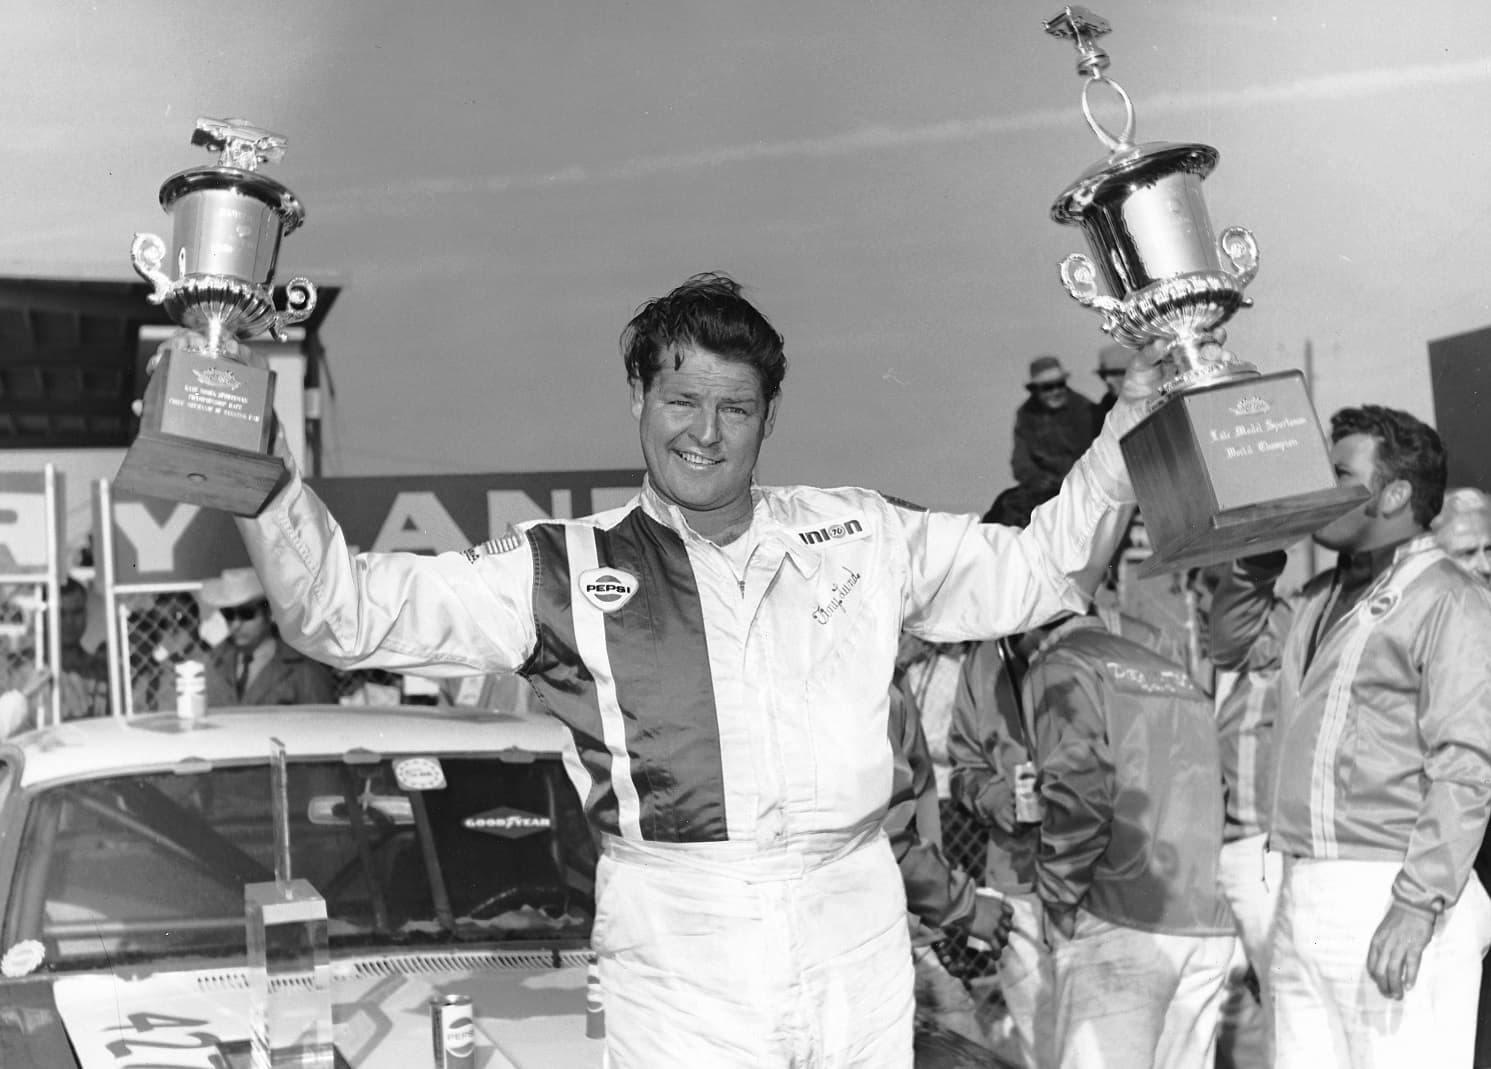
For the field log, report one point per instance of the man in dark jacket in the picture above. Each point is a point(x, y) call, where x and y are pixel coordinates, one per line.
point(252, 666)
point(1053, 428)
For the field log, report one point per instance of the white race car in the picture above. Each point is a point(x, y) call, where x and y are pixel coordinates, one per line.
point(449, 847)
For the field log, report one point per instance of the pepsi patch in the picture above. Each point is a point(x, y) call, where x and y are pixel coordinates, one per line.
point(608, 589)
point(507, 823)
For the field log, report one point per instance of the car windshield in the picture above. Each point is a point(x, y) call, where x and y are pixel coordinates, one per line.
point(407, 851)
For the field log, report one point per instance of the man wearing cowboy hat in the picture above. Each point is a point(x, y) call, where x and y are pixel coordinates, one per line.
point(1053, 427)
point(252, 666)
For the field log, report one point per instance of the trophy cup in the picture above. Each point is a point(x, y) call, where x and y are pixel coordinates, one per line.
point(1231, 462)
point(207, 417)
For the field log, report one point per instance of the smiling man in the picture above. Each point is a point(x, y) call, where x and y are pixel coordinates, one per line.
point(721, 653)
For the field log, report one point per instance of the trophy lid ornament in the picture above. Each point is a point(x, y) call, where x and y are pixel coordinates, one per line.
point(1150, 234)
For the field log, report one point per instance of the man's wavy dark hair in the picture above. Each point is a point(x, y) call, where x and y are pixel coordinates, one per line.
point(705, 312)
point(1407, 448)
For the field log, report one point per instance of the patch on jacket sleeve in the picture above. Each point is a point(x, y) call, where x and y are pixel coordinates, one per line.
point(1175, 682)
point(493, 546)
point(850, 529)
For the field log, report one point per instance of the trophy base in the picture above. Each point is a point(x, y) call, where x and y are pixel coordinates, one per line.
point(1253, 529)
point(1233, 469)
point(199, 473)
point(205, 426)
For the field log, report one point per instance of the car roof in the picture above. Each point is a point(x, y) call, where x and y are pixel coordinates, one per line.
point(102, 746)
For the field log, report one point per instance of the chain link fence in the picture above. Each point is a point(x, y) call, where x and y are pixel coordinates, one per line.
point(160, 628)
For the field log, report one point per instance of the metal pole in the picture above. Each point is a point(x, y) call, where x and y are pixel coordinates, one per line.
point(55, 568)
point(103, 561)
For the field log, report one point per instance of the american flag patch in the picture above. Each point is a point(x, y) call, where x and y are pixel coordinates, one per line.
point(493, 546)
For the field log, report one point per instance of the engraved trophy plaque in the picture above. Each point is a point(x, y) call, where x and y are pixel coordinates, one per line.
point(1230, 462)
point(289, 963)
point(207, 416)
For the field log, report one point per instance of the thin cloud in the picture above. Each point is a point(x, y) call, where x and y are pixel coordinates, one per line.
point(1330, 87)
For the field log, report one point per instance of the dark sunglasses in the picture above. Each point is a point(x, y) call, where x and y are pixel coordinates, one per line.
point(234, 613)
point(1049, 387)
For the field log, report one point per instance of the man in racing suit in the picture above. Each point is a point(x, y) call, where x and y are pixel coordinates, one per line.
point(721, 653)
point(1382, 767)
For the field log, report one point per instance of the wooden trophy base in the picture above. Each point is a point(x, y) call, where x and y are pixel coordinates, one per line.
point(1231, 470)
point(204, 435)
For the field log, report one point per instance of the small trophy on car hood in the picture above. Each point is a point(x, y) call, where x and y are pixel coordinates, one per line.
point(1231, 462)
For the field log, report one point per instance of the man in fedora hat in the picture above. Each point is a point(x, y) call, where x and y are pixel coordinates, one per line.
point(252, 666)
point(1053, 427)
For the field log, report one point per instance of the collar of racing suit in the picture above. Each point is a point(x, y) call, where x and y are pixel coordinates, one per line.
point(765, 526)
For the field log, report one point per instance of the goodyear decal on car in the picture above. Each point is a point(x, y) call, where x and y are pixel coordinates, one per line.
point(608, 589)
point(507, 823)
point(419, 774)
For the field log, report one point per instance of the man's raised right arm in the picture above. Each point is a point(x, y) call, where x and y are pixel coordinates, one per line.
point(449, 614)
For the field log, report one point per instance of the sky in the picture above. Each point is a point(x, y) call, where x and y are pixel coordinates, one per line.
point(497, 186)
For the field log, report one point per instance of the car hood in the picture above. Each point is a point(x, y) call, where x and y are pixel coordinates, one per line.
point(529, 1013)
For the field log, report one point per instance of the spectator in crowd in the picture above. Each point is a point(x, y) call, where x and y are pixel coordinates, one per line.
point(1131, 829)
point(1052, 428)
point(1113, 361)
point(1251, 874)
point(721, 652)
point(252, 666)
point(940, 897)
point(987, 746)
point(1382, 766)
point(84, 675)
point(19, 698)
point(1463, 529)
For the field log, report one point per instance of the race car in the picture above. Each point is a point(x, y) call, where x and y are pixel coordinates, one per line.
point(448, 845)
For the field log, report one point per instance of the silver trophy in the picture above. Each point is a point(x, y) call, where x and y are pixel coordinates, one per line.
point(1231, 462)
point(207, 416)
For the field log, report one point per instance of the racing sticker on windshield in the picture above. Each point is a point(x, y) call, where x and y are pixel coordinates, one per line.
point(508, 823)
point(419, 774)
point(22, 959)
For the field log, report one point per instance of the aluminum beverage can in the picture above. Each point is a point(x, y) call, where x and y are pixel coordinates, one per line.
point(453, 1029)
point(1028, 808)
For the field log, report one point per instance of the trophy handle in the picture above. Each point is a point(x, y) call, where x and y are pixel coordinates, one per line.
point(300, 302)
point(147, 253)
point(1081, 281)
point(1238, 248)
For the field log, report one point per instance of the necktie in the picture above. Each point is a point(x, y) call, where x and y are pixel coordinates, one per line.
point(245, 657)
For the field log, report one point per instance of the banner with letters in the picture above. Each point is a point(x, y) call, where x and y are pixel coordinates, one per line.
point(160, 543)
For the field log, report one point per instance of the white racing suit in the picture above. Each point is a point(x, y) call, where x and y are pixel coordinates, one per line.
point(729, 730)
